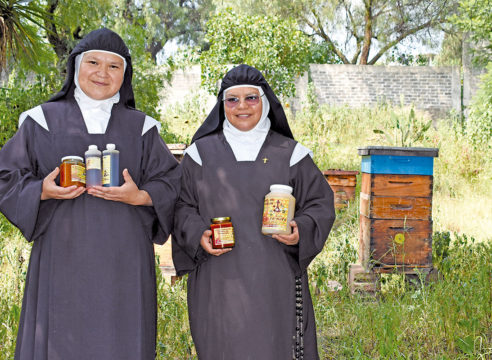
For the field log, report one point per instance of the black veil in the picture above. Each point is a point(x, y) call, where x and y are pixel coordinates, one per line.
point(245, 74)
point(101, 39)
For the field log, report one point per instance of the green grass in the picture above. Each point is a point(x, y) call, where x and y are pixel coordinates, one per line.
point(450, 318)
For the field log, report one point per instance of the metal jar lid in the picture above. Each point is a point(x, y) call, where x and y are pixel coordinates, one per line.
point(72, 157)
point(220, 219)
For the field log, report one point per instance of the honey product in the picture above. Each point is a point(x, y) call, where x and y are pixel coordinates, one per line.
point(93, 167)
point(222, 233)
point(72, 171)
point(278, 210)
point(111, 166)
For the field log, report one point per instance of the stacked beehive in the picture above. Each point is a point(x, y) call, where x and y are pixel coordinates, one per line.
point(343, 184)
point(396, 208)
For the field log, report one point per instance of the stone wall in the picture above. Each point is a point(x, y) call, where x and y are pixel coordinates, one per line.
point(433, 89)
point(183, 85)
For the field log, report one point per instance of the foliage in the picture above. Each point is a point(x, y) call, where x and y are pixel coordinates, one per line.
point(19, 36)
point(322, 53)
point(359, 32)
point(451, 50)
point(406, 130)
point(475, 18)
point(403, 58)
point(440, 248)
point(22, 94)
point(74, 20)
point(14, 253)
point(479, 123)
point(173, 336)
point(158, 21)
point(185, 118)
point(273, 46)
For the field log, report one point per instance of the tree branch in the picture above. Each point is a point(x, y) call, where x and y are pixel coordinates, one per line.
point(321, 32)
point(357, 53)
point(401, 37)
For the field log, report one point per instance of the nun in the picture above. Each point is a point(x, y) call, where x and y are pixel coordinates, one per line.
point(90, 290)
point(251, 301)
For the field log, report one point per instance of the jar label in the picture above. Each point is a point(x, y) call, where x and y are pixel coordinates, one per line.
point(93, 163)
point(275, 213)
point(78, 173)
point(106, 172)
point(223, 235)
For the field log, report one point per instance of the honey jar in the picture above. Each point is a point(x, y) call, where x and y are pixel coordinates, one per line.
point(278, 210)
point(222, 233)
point(72, 171)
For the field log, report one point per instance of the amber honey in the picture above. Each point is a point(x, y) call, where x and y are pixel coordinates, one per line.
point(222, 233)
point(72, 171)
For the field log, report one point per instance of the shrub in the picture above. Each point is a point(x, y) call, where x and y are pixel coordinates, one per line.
point(22, 94)
point(479, 125)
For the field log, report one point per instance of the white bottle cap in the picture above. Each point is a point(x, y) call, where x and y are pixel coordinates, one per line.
point(92, 147)
point(281, 188)
point(110, 146)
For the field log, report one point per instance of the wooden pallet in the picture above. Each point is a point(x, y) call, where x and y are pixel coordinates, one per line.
point(362, 280)
point(368, 280)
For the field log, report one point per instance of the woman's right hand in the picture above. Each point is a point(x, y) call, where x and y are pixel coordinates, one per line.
point(206, 243)
point(53, 191)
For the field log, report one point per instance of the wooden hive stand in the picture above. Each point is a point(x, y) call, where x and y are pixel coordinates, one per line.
point(164, 252)
point(395, 223)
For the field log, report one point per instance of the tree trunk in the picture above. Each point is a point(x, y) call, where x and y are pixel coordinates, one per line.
point(60, 45)
point(366, 46)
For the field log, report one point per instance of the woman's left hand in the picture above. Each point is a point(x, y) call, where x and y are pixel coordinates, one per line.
point(128, 193)
point(291, 239)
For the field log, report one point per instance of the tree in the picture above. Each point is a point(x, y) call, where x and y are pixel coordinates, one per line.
point(64, 23)
point(70, 20)
point(361, 32)
point(160, 21)
point(19, 36)
point(451, 49)
point(183, 21)
point(274, 46)
point(474, 17)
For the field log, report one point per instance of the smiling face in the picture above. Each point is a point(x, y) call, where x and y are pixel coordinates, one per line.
point(101, 74)
point(244, 114)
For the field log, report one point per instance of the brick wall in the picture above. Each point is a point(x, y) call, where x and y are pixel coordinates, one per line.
point(433, 89)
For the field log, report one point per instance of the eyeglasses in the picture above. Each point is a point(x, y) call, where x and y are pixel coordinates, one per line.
point(251, 100)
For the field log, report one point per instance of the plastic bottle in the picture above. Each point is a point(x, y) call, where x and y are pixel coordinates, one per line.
point(278, 210)
point(111, 166)
point(93, 167)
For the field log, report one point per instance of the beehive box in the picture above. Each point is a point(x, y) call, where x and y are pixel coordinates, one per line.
point(343, 183)
point(396, 207)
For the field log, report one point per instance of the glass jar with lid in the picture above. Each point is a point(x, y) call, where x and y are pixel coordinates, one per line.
point(72, 171)
point(222, 233)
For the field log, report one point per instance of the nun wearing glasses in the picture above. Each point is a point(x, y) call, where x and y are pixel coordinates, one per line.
point(251, 301)
point(90, 288)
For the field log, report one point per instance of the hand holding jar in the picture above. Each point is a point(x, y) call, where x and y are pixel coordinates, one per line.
point(206, 244)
